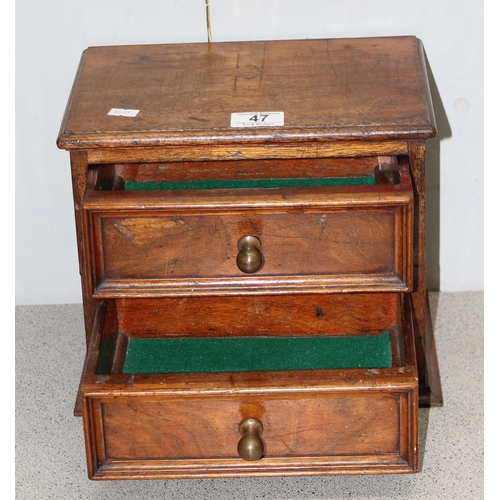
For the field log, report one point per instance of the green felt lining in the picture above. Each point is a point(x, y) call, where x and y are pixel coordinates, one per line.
point(252, 183)
point(233, 354)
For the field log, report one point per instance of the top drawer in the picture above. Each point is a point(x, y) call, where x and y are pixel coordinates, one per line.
point(252, 235)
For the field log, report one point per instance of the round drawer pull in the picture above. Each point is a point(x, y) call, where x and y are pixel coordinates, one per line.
point(249, 259)
point(250, 446)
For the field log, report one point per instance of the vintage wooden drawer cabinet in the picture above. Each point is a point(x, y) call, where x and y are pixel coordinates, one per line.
point(251, 232)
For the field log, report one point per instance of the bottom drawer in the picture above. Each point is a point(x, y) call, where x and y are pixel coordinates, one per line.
point(302, 422)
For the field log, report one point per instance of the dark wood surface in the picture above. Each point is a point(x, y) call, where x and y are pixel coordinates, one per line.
point(240, 315)
point(328, 90)
point(247, 169)
point(351, 107)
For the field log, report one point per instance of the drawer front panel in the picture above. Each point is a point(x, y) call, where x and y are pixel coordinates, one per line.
point(190, 253)
point(300, 427)
point(140, 437)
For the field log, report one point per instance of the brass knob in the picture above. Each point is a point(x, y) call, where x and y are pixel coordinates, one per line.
point(249, 259)
point(250, 446)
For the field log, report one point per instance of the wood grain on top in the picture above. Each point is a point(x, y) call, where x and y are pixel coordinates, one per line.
point(328, 89)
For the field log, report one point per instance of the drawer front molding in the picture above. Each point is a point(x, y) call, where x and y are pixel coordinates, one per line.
point(330, 433)
point(308, 244)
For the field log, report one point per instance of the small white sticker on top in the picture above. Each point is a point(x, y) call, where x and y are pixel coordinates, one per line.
point(123, 112)
point(258, 119)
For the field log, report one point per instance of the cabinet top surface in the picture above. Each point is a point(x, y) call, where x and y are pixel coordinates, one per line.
point(185, 94)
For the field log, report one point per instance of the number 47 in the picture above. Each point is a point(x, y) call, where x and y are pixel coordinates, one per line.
point(256, 118)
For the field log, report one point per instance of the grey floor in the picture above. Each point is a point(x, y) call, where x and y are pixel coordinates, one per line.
point(50, 460)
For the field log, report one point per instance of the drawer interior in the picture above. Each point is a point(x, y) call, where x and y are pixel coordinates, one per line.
point(151, 335)
point(241, 174)
point(162, 425)
point(226, 354)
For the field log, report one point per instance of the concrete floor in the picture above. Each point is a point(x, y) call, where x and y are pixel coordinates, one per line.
point(50, 459)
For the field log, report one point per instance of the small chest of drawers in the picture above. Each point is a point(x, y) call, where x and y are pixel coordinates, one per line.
point(251, 232)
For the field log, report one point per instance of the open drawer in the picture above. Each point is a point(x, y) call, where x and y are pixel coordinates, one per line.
point(220, 228)
point(356, 417)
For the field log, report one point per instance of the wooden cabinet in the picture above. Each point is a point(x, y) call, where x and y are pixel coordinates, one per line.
point(251, 230)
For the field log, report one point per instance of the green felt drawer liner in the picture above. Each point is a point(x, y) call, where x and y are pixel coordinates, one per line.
point(252, 183)
point(233, 354)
